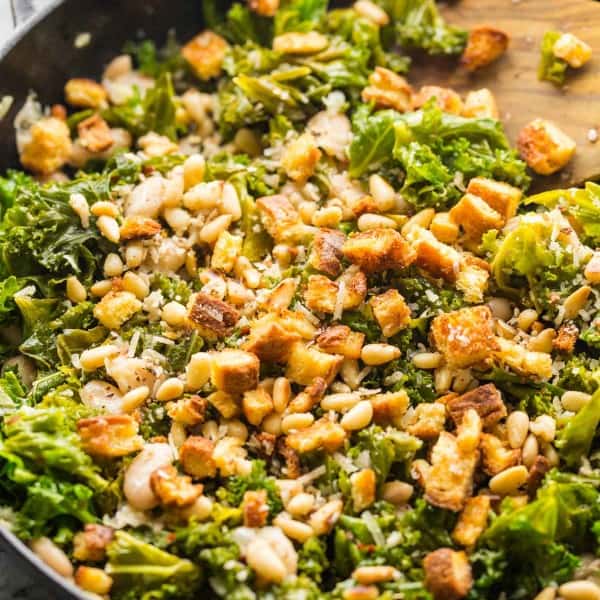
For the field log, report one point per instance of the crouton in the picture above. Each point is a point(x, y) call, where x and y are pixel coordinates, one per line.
point(227, 404)
point(447, 574)
point(212, 317)
point(378, 250)
point(572, 50)
point(326, 252)
point(445, 98)
point(227, 248)
point(295, 321)
point(426, 421)
point(485, 399)
point(281, 296)
point(205, 54)
point(592, 269)
point(306, 362)
point(91, 543)
point(270, 340)
point(110, 436)
point(480, 104)
point(523, 361)
point(472, 281)
point(340, 339)
point(485, 45)
point(281, 219)
point(308, 397)
point(388, 90)
point(265, 8)
point(85, 93)
point(496, 455)
point(472, 521)
point(391, 312)
point(439, 260)
point(541, 465)
point(255, 508)
point(500, 196)
point(139, 228)
point(263, 443)
point(362, 489)
point(189, 411)
point(567, 337)
point(173, 489)
point(292, 468)
point(116, 308)
point(95, 134)
point(300, 158)
point(475, 216)
point(444, 228)
point(465, 337)
point(48, 147)
point(322, 434)
point(234, 371)
point(544, 147)
point(389, 407)
point(321, 293)
point(196, 456)
point(256, 404)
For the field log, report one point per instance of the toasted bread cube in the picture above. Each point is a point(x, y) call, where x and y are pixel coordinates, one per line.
point(465, 337)
point(85, 93)
point(95, 134)
point(110, 436)
point(388, 90)
point(188, 411)
point(444, 228)
point(300, 158)
point(326, 252)
point(307, 399)
point(480, 104)
point(91, 543)
point(212, 317)
point(196, 456)
point(255, 508)
point(523, 361)
point(234, 371)
point(445, 98)
point(544, 147)
point(447, 574)
point(378, 250)
point(496, 455)
point(391, 311)
point(572, 50)
point(567, 337)
point(297, 322)
point(362, 488)
point(485, 45)
point(256, 404)
point(321, 293)
point(472, 521)
point(485, 399)
point(340, 339)
point(426, 421)
point(475, 216)
point(440, 260)
point(282, 220)
point(227, 404)
point(116, 308)
point(227, 248)
point(48, 147)
point(205, 53)
point(139, 228)
point(389, 407)
point(472, 281)
point(502, 197)
point(265, 8)
point(173, 489)
point(306, 363)
point(541, 465)
point(281, 296)
point(322, 434)
point(270, 340)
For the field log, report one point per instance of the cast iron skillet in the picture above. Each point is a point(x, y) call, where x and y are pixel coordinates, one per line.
point(41, 56)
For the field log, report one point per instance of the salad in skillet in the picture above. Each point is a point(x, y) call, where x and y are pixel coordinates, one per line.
point(277, 325)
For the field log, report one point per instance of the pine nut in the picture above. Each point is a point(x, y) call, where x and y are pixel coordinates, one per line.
point(442, 379)
point(94, 358)
point(362, 592)
point(579, 590)
point(544, 427)
point(422, 219)
point(197, 371)
point(576, 302)
point(93, 580)
point(509, 480)
point(381, 191)
point(76, 291)
point(135, 254)
point(236, 429)
point(531, 449)
point(272, 424)
point(101, 288)
point(397, 492)
point(548, 593)
point(81, 208)
point(350, 373)
point(193, 171)
point(281, 394)
point(296, 421)
point(324, 518)
point(327, 217)
point(376, 574)
point(574, 401)
point(358, 416)
point(178, 219)
point(295, 530)
point(542, 342)
point(230, 202)
point(517, 428)
point(53, 556)
point(267, 385)
point(301, 504)
point(504, 330)
point(427, 360)
point(136, 285)
point(340, 402)
point(134, 398)
point(261, 557)
point(174, 314)
point(281, 253)
point(103, 207)
point(369, 221)
point(211, 231)
point(113, 265)
point(109, 228)
point(169, 389)
point(526, 318)
point(379, 354)
point(203, 196)
point(551, 455)
point(461, 381)
point(501, 308)
point(306, 210)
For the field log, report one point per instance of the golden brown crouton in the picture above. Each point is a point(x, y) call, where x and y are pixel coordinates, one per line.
point(472, 521)
point(440, 260)
point(309, 396)
point(48, 148)
point(226, 404)
point(475, 216)
point(500, 196)
point(270, 340)
point(90, 544)
point(205, 53)
point(300, 158)
point(256, 404)
point(340, 339)
point(265, 8)
point(567, 337)
point(378, 250)
point(446, 98)
point(389, 407)
point(321, 294)
point(388, 90)
point(322, 434)
point(541, 465)
point(465, 337)
point(572, 50)
point(363, 485)
point(110, 436)
point(212, 317)
point(234, 371)
point(485, 399)
point(188, 411)
point(196, 456)
point(496, 455)
point(391, 311)
point(544, 147)
point(480, 104)
point(292, 468)
point(305, 363)
point(280, 218)
point(173, 489)
point(485, 45)
point(326, 251)
point(94, 134)
point(444, 228)
point(225, 252)
point(85, 93)
point(592, 269)
point(447, 574)
point(523, 361)
point(139, 228)
point(472, 281)
point(255, 508)
point(426, 421)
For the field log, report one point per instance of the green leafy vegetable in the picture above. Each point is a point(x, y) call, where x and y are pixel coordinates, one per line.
point(551, 68)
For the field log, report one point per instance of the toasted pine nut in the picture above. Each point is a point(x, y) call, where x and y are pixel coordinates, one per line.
point(53, 556)
point(211, 231)
point(135, 284)
point(193, 171)
point(281, 394)
point(574, 401)
point(272, 424)
point(442, 379)
point(526, 318)
point(579, 590)
point(174, 314)
point(542, 342)
point(76, 291)
point(548, 593)
point(101, 288)
point(381, 191)
point(113, 265)
point(296, 421)
point(236, 429)
point(509, 480)
point(300, 504)
point(324, 518)
point(327, 217)
point(372, 221)
point(197, 372)
point(134, 398)
point(295, 530)
point(169, 389)
point(230, 202)
point(261, 557)
point(551, 455)
point(379, 354)
point(178, 219)
point(427, 360)
point(361, 592)
point(517, 428)
point(281, 253)
point(501, 308)
point(340, 402)
point(306, 210)
point(203, 196)
point(103, 207)
point(576, 302)
point(358, 416)
point(80, 206)
point(375, 574)
point(544, 427)
point(134, 254)
point(461, 381)
point(94, 358)
point(422, 219)
point(530, 450)
point(109, 228)
point(397, 492)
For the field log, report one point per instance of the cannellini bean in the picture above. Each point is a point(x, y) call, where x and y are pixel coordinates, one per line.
point(422, 219)
point(579, 590)
point(282, 547)
point(130, 373)
point(375, 574)
point(203, 196)
point(281, 394)
point(146, 199)
point(53, 556)
point(272, 424)
point(80, 206)
point(230, 202)
point(509, 480)
point(135, 253)
point(134, 283)
point(501, 308)
point(341, 402)
point(134, 398)
point(369, 221)
point(397, 492)
point(169, 389)
point(103, 207)
point(101, 288)
point(548, 593)
point(574, 401)
point(113, 265)
point(442, 379)
point(212, 230)
point(576, 301)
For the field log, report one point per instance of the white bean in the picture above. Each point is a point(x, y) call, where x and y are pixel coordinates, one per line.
point(53, 556)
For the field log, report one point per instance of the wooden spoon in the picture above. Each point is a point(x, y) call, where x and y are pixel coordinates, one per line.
point(575, 108)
